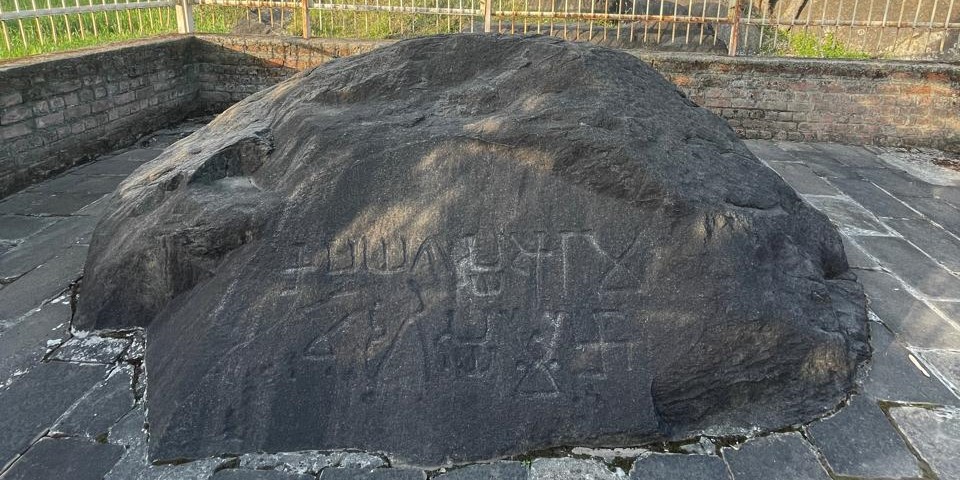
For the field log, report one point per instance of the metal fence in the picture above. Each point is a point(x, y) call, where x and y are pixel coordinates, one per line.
point(823, 28)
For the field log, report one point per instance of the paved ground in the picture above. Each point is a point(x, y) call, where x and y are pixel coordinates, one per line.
point(71, 407)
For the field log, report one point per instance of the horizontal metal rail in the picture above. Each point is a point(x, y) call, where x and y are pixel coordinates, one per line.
point(847, 23)
point(397, 9)
point(289, 5)
point(627, 17)
point(106, 7)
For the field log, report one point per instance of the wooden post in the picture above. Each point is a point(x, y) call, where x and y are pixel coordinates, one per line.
point(185, 16)
point(306, 18)
point(487, 16)
point(736, 11)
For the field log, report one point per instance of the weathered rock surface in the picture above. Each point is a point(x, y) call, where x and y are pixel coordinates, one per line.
point(460, 248)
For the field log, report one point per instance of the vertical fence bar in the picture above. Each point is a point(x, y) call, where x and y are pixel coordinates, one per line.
point(735, 14)
point(185, 16)
point(305, 8)
point(946, 28)
point(6, 34)
point(487, 16)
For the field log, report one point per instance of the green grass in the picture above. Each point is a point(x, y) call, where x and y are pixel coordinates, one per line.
point(799, 43)
point(32, 36)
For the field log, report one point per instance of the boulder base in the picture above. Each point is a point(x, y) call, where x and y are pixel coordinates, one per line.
point(460, 248)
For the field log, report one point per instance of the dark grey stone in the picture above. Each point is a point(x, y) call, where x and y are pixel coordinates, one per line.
point(775, 456)
point(45, 245)
point(911, 265)
point(660, 466)
point(100, 408)
point(569, 468)
point(944, 213)
point(72, 458)
point(375, 474)
point(850, 217)
point(892, 376)
point(802, 179)
point(18, 227)
point(937, 242)
point(488, 471)
point(496, 285)
point(237, 474)
point(860, 442)
point(26, 342)
point(46, 204)
point(874, 199)
point(911, 319)
point(856, 257)
point(32, 404)
point(91, 349)
point(947, 365)
point(935, 433)
point(41, 284)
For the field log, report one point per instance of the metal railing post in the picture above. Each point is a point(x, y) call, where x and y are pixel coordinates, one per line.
point(736, 11)
point(306, 18)
point(487, 16)
point(185, 16)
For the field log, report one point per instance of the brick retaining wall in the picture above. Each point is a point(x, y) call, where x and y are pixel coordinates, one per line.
point(863, 102)
point(60, 110)
point(857, 102)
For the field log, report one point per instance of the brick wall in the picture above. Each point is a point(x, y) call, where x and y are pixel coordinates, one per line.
point(863, 102)
point(232, 67)
point(60, 110)
point(859, 102)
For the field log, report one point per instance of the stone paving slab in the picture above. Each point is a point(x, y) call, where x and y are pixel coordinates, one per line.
point(100, 408)
point(848, 216)
point(566, 468)
point(803, 180)
point(893, 376)
point(943, 213)
point(935, 433)
point(47, 204)
point(880, 202)
point(32, 404)
point(91, 349)
point(859, 442)
point(45, 245)
point(946, 364)
point(66, 458)
point(669, 466)
point(490, 471)
point(911, 319)
point(15, 228)
point(41, 284)
point(375, 474)
point(912, 266)
point(23, 345)
point(235, 474)
point(849, 155)
point(856, 257)
point(937, 242)
point(775, 456)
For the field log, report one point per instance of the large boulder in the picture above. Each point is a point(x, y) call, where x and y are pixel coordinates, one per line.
point(466, 247)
